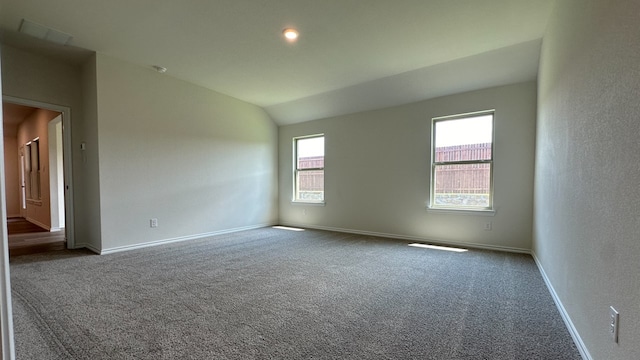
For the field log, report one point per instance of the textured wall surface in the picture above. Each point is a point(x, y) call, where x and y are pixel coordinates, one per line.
point(198, 161)
point(377, 167)
point(586, 224)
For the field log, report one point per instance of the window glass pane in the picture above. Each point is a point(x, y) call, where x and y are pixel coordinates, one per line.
point(309, 172)
point(310, 153)
point(310, 185)
point(464, 139)
point(462, 185)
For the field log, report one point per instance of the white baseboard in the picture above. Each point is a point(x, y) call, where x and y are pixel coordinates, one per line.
point(36, 222)
point(582, 348)
point(176, 239)
point(565, 316)
point(87, 246)
point(416, 238)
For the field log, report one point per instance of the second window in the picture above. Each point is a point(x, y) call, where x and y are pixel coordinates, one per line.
point(462, 162)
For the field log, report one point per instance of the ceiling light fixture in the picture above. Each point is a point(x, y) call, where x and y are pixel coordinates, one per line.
point(159, 69)
point(290, 34)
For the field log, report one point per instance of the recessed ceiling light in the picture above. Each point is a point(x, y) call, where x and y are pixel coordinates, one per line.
point(290, 34)
point(159, 69)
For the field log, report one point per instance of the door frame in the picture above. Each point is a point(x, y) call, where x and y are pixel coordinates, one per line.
point(56, 173)
point(23, 183)
point(67, 159)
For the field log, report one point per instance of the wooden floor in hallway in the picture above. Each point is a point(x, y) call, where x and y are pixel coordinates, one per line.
point(28, 238)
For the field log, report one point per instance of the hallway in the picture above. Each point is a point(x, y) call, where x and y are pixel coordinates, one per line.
point(28, 238)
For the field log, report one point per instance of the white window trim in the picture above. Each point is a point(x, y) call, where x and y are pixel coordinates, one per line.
point(308, 202)
point(295, 172)
point(462, 210)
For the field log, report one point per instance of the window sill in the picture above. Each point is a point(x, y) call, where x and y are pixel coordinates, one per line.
point(312, 203)
point(461, 211)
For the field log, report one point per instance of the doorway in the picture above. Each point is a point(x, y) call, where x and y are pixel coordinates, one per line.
point(38, 176)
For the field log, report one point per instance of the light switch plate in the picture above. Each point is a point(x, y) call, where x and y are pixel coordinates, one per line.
point(614, 319)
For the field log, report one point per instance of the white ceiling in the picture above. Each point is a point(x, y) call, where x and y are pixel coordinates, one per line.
point(352, 55)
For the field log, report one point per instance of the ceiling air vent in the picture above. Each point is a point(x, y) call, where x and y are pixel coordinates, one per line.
point(43, 32)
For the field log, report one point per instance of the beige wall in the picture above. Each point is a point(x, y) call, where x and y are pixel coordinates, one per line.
point(198, 161)
point(12, 176)
point(586, 224)
point(35, 126)
point(377, 171)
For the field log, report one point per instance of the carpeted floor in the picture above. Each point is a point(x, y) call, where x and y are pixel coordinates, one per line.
point(278, 294)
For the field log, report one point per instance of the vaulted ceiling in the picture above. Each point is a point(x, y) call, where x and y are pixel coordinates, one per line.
point(352, 55)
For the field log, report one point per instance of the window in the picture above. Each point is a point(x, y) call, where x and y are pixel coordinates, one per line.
point(32, 169)
point(462, 162)
point(309, 169)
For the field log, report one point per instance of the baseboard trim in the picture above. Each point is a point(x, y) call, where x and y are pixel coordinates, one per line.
point(415, 238)
point(582, 348)
point(36, 222)
point(176, 239)
point(88, 247)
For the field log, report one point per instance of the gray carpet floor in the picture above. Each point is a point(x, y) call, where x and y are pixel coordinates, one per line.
point(278, 294)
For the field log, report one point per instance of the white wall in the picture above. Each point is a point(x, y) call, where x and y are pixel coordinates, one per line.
point(587, 201)
point(87, 162)
point(198, 161)
point(377, 171)
point(39, 78)
point(7, 347)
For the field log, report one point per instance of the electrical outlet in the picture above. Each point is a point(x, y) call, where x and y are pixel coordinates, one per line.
point(153, 223)
point(614, 319)
point(487, 225)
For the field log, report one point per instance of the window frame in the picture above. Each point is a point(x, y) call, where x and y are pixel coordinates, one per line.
point(297, 171)
point(432, 206)
point(33, 171)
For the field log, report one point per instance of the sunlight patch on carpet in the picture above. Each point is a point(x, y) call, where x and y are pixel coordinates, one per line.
point(435, 247)
point(287, 228)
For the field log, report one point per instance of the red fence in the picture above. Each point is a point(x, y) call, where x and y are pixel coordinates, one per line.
point(450, 179)
point(463, 178)
point(311, 182)
point(463, 152)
